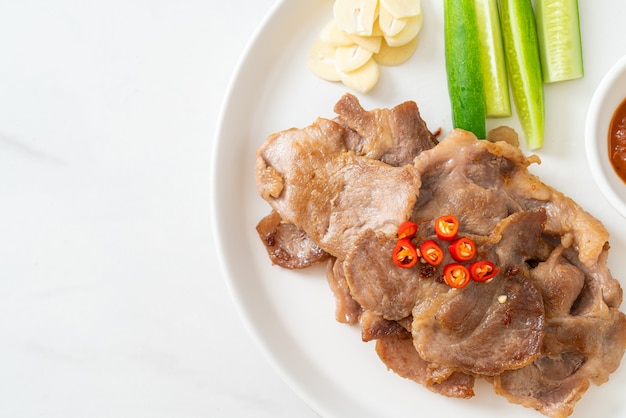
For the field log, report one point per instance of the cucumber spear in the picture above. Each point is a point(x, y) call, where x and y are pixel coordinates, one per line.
point(521, 49)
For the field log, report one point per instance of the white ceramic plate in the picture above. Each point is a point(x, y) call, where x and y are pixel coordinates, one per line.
point(291, 313)
point(610, 93)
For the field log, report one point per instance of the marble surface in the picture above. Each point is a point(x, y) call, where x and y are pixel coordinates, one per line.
point(112, 303)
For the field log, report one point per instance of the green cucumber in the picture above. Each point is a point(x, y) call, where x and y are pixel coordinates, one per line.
point(463, 67)
point(560, 47)
point(521, 50)
point(493, 65)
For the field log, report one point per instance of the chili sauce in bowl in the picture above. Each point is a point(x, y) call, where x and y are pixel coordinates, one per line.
point(617, 141)
point(606, 156)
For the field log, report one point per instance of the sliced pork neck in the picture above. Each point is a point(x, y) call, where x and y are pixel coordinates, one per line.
point(542, 330)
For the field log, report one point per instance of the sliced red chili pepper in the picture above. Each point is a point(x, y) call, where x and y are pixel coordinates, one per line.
point(463, 249)
point(446, 227)
point(407, 229)
point(431, 252)
point(481, 271)
point(456, 275)
point(404, 253)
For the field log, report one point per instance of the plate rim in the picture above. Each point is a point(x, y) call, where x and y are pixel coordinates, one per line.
point(313, 400)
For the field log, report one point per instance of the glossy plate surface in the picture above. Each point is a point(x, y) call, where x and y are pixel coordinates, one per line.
point(610, 93)
point(291, 313)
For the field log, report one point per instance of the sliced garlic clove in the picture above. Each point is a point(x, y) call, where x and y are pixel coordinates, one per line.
point(371, 43)
point(402, 8)
point(388, 24)
point(331, 34)
point(389, 55)
point(349, 58)
point(376, 31)
point(362, 79)
point(406, 35)
point(321, 61)
point(356, 16)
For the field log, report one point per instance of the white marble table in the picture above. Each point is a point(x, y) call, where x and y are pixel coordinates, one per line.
point(111, 300)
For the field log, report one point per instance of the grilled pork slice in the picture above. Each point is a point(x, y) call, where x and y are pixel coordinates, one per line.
point(584, 340)
point(311, 179)
point(398, 354)
point(481, 182)
point(287, 245)
point(374, 326)
point(542, 330)
point(347, 310)
point(394, 136)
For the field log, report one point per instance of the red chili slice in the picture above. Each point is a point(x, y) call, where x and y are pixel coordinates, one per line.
point(407, 229)
point(447, 227)
point(404, 253)
point(463, 249)
point(456, 275)
point(481, 271)
point(431, 252)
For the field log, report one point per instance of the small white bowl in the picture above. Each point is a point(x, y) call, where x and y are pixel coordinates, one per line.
point(608, 95)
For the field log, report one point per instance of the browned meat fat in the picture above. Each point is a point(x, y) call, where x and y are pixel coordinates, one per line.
point(542, 330)
point(287, 245)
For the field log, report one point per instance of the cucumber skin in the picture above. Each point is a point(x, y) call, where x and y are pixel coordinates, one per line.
point(570, 65)
point(463, 67)
point(521, 48)
point(495, 79)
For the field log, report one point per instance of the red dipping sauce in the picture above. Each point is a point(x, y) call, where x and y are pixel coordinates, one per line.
point(617, 141)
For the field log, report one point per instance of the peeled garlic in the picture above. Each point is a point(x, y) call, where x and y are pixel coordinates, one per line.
point(322, 61)
point(362, 35)
point(356, 16)
point(362, 79)
point(389, 55)
point(349, 58)
point(371, 43)
point(402, 8)
point(410, 31)
point(331, 34)
point(388, 24)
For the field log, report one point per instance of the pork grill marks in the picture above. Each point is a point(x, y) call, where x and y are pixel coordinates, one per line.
point(559, 327)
